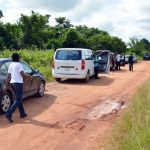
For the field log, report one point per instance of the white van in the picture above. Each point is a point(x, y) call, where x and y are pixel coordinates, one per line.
point(74, 63)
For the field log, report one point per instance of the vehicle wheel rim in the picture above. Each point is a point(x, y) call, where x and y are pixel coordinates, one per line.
point(41, 89)
point(5, 104)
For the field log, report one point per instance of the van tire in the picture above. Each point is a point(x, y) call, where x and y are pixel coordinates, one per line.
point(58, 79)
point(87, 78)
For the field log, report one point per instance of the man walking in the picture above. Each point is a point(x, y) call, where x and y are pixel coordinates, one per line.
point(15, 78)
point(130, 61)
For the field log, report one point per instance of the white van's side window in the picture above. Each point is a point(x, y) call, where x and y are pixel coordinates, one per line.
point(88, 55)
point(91, 55)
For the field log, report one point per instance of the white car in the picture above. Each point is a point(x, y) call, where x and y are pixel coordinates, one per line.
point(74, 63)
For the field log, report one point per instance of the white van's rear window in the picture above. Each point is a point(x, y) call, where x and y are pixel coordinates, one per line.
point(68, 55)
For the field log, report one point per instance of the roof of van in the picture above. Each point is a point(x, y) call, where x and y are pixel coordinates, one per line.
point(102, 50)
point(72, 49)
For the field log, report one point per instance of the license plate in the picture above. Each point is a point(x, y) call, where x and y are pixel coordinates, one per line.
point(67, 69)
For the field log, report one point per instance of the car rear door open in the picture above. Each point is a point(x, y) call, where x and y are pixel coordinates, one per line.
point(103, 58)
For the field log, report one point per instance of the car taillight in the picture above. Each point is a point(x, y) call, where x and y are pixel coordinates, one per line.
point(53, 65)
point(82, 64)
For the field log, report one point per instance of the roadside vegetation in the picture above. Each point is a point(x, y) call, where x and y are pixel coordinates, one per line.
point(38, 59)
point(36, 32)
point(133, 130)
point(33, 34)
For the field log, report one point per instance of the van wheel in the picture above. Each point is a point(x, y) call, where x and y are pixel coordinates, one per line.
point(58, 79)
point(87, 76)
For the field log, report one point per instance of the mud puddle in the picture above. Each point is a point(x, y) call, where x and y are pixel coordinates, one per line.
point(105, 107)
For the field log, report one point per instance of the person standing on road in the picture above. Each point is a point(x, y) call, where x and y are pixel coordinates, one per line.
point(130, 61)
point(118, 62)
point(96, 67)
point(15, 78)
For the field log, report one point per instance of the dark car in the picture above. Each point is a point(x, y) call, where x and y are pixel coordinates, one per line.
point(36, 86)
point(146, 57)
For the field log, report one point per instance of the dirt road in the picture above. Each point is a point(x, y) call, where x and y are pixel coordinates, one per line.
point(70, 115)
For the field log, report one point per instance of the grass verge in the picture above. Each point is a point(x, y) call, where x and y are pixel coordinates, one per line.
point(133, 130)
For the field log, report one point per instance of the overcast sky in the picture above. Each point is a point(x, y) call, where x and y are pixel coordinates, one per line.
point(122, 18)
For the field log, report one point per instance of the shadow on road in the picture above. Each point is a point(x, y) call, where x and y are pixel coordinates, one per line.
point(33, 106)
point(103, 80)
point(122, 70)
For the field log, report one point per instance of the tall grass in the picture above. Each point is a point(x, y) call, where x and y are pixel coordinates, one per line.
point(133, 131)
point(38, 59)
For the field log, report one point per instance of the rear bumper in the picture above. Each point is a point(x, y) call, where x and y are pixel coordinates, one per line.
point(82, 75)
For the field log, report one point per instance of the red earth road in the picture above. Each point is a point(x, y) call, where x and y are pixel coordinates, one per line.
point(58, 121)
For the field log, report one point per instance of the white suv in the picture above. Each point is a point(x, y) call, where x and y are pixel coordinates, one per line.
point(75, 63)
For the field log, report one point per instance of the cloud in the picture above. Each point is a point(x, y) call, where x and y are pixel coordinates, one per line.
point(51, 5)
point(1, 1)
point(131, 19)
point(123, 18)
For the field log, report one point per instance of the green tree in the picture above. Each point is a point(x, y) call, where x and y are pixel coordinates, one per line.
point(54, 43)
point(139, 47)
point(146, 44)
point(74, 39)
point(88, 32)
point(33, 29)
point(3, 35)
point(100, 42)
point(63, 22)
point(117, 45)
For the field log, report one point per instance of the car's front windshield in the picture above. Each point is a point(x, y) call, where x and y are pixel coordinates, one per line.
point(1, 73)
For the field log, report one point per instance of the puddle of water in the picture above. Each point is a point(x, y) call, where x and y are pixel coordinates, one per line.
point(107, 106)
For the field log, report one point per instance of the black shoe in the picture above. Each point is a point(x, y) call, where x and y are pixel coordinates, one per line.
point(96, 77)
point(8, 117)
point(23, 116)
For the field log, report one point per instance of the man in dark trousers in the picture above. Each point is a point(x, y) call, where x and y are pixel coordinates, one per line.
point(15, 78)
point(96, 67)
point(130, 61)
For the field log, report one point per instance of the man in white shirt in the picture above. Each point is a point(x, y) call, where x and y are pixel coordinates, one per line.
point(15, 78)
point(118, 61)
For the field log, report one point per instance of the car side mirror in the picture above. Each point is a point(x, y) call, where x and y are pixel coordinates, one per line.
point(36, 71)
